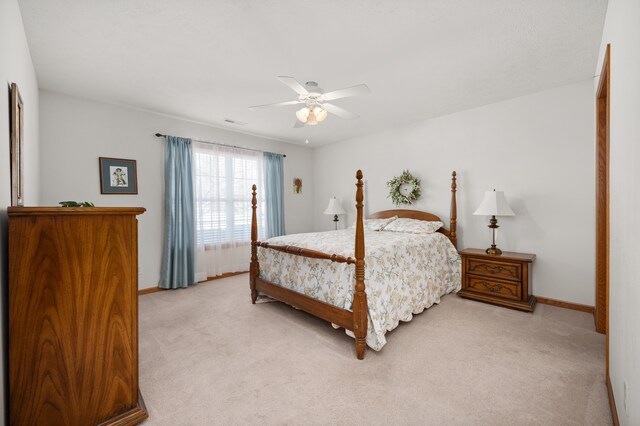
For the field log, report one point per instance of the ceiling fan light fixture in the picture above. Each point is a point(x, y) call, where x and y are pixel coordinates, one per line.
point(303, 114)
point(317, 101)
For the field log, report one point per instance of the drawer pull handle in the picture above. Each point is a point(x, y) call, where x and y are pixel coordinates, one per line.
point(495, 287)
point(493, 269)
point(490, 287)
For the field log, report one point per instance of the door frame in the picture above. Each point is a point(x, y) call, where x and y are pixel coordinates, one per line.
point(603, 93)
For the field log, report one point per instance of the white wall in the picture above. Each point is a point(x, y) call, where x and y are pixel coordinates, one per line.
point(623, 32)
point(15, 67)
point(76, 132)
point(539, 149)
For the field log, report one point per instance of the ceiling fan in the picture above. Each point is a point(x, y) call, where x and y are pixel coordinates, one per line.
point(316, 102)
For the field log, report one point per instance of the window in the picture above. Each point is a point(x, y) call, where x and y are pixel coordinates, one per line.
point(222, 178)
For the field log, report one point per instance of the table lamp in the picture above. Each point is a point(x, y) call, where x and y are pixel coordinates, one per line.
point(335, 209)
point(494, 204)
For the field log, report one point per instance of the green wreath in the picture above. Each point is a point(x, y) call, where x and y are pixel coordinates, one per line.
point(404, 189)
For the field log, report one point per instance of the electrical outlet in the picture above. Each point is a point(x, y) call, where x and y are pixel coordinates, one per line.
point(626, 398)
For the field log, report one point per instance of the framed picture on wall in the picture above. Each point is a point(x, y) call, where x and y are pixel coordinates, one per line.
point(118, 176)
point(17, 137)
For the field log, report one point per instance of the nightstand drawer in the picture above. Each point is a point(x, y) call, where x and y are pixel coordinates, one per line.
point(497, 288)
point(505, 271)
point(503, 279)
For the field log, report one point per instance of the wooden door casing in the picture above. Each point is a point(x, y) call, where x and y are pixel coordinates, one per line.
point(602, 198)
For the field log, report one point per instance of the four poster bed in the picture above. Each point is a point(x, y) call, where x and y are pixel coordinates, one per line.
point(407, 271)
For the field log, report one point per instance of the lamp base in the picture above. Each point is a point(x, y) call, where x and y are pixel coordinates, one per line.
point(493, 250)
point(493, 225)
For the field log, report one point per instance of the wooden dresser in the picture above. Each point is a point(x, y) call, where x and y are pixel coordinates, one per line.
point(73, 316)
point(499, 279)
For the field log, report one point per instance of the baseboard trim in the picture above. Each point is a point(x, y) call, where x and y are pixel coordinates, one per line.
point(149, 290)
point(612, 403)
point(227, 275)
point(566, 305)
point(217, 277)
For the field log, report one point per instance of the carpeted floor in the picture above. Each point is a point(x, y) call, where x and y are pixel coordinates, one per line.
point(207, 356)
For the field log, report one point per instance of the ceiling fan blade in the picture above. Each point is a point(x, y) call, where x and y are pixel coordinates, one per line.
point(294, 84)
point(360, 89)
point(275, 105)
point(340, 112)
point(298, 124)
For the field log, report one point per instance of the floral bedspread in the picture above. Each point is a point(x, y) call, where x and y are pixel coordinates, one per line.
point(404, 273)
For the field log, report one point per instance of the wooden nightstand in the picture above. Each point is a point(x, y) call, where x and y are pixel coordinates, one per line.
point(499, 279)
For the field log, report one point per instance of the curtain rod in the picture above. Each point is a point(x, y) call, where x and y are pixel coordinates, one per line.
point(160, 135)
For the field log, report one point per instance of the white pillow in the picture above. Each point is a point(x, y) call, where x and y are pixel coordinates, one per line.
point(414, 226)
point(376, 224)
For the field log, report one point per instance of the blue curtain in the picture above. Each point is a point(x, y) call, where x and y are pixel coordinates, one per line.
point(178, 261)
point(274, 193)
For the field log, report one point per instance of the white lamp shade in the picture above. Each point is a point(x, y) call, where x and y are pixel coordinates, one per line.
point(312, 120)
point(334, 207)
point(494, 204)
point(320, 114)
point(303, 114)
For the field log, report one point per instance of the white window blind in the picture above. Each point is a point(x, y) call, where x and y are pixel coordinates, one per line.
point(223, 177)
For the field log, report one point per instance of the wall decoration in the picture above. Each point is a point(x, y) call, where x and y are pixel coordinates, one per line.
point(404, 189)
point(297, 185)
point(17, 137)
point(118, 176)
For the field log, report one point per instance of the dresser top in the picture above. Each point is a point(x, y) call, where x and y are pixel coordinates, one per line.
point(71, 211)
point(506, 255)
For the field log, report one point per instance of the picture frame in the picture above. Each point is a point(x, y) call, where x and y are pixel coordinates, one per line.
point(17, 142)
point(118, 176)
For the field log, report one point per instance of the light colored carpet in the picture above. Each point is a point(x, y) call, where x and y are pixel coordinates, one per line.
point(207, 356)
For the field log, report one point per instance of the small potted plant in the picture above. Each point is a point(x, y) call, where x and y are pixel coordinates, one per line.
point(76, 204)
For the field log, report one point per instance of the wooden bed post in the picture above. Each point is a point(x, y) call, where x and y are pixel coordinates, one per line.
point(254, 268)
point(360, 307)
point(453, 220)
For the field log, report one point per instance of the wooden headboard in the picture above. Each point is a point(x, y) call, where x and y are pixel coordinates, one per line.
point(409, 214)
point(420, 215)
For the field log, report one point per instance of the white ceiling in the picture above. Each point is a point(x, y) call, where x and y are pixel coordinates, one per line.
point(207, 60)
